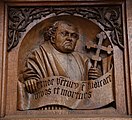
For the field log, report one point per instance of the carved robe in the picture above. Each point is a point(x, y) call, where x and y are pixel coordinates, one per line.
point(46, 61)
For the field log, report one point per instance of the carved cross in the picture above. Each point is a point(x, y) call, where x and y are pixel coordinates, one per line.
point(99, 47)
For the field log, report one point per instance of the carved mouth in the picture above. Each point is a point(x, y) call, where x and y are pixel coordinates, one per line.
point(67, 43)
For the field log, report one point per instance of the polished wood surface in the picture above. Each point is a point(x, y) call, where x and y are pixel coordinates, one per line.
point(122, 69)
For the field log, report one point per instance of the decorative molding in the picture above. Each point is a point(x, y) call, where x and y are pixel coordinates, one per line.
point(21, 17)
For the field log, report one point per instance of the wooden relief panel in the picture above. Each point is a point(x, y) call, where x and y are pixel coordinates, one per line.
point(67, 58)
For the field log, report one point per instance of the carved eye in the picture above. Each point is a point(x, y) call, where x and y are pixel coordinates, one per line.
point(65, 33)
point(75, 35)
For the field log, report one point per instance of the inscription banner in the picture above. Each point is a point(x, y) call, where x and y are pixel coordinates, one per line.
point(59, 90)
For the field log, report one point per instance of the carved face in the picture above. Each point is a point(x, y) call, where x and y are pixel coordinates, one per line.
point(66, 37)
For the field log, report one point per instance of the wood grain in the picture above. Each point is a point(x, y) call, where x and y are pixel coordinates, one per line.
point(123, 72)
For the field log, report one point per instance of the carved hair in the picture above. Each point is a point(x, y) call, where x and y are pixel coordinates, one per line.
point(49, 33)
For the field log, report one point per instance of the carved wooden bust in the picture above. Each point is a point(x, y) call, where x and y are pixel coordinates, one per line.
point(66, 71)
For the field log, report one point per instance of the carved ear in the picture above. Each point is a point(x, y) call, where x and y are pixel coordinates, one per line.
point(52, 39)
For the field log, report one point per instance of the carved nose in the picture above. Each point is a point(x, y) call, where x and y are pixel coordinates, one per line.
point(69, 39)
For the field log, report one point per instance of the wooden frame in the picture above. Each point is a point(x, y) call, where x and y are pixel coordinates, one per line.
point(9, 94)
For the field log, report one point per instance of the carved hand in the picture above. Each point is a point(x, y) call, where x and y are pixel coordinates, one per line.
point(31, 85)
point(94, 73)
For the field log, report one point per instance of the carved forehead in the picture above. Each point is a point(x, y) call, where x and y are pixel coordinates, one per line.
point(64, 25)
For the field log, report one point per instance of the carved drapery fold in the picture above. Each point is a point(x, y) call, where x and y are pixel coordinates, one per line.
point(21, 17)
